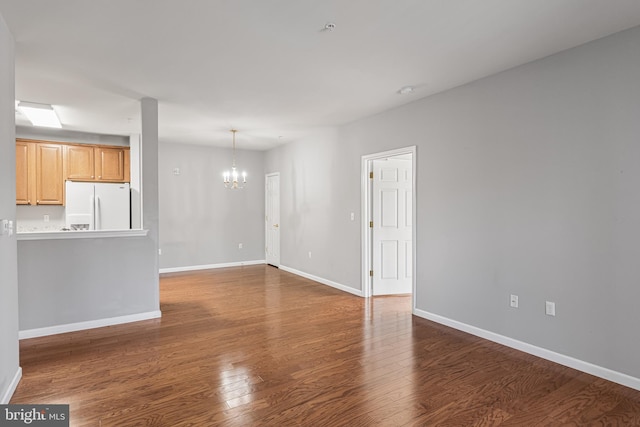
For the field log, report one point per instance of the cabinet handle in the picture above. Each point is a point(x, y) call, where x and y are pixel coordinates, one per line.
point(92, 176)
point(100, 177)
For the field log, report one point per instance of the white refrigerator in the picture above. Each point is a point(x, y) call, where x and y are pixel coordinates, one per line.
point(97, 206)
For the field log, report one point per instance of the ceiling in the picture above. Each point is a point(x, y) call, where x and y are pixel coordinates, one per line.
point(268, 67)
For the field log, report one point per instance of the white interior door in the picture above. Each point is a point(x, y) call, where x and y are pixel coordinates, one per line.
point(272, 219)
point(391, 231)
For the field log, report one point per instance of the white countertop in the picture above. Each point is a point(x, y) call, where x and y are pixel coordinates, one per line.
point(79, 234)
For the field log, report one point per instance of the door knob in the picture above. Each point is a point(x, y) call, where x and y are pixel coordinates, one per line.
point(276, 225)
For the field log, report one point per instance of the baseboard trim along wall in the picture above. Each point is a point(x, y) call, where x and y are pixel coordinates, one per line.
point(580, 365)
point(331, 283)
point(91, 324)
point(6, 397)
point(210, 266)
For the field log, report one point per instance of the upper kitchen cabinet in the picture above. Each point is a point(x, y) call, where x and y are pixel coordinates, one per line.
point(112, 164)
point(79, 162)
point(49, 182)
point(97, 163)
point(25, 173)
point(43, 166)
point(38, 173)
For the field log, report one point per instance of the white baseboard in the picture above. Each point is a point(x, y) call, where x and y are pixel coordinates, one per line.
point(210, 266)
point(331, 283)
point(6, 397)
point(80, 326)
point(580, 365)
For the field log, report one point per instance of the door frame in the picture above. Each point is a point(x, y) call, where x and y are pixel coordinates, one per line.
point(367, 215)
point(266, 226)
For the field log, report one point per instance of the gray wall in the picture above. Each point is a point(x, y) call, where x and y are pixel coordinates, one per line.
point(527, 184)
point(202, 222)
point(8, 272)
point(319, 188)
point(82, 280)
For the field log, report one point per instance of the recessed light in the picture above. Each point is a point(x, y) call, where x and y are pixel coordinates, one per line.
point(405, 90)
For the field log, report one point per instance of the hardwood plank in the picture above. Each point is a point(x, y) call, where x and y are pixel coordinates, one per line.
point(258, 346)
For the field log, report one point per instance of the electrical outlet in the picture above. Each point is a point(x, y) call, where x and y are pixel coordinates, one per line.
point(550, 308)
point(309, 254)
point(353, 216)
point(514, 301)
point(159, 251)
point(239, 245)
point(46, 218)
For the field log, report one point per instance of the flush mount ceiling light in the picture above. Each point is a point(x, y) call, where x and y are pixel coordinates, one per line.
point(40, 114)
point(405, 90)
point(230, 179)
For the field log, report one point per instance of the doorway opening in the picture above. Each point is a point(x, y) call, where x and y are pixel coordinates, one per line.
point(388, 218)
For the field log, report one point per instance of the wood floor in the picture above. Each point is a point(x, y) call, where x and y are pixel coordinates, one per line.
point(254, 346)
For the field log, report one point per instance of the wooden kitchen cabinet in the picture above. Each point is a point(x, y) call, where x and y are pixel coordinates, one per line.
point(49, 178)
point(97, 163)
point(110, 164)
point(25, 173)
point(39, 179)
point(79, 163)
point(42, 168)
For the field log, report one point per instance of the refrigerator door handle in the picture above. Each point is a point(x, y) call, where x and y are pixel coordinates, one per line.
point(92, 207)
point(97, 214)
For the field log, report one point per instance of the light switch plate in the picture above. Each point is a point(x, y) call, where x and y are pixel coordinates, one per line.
point(550, 308)
point(514, 301)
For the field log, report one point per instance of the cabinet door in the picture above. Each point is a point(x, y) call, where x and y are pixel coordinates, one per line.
point(79, 163)
point(109, 164)
point(25, 171)
point(127, 165)
point(49, 174)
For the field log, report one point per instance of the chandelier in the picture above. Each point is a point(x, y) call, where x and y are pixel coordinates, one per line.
point(231, 178)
